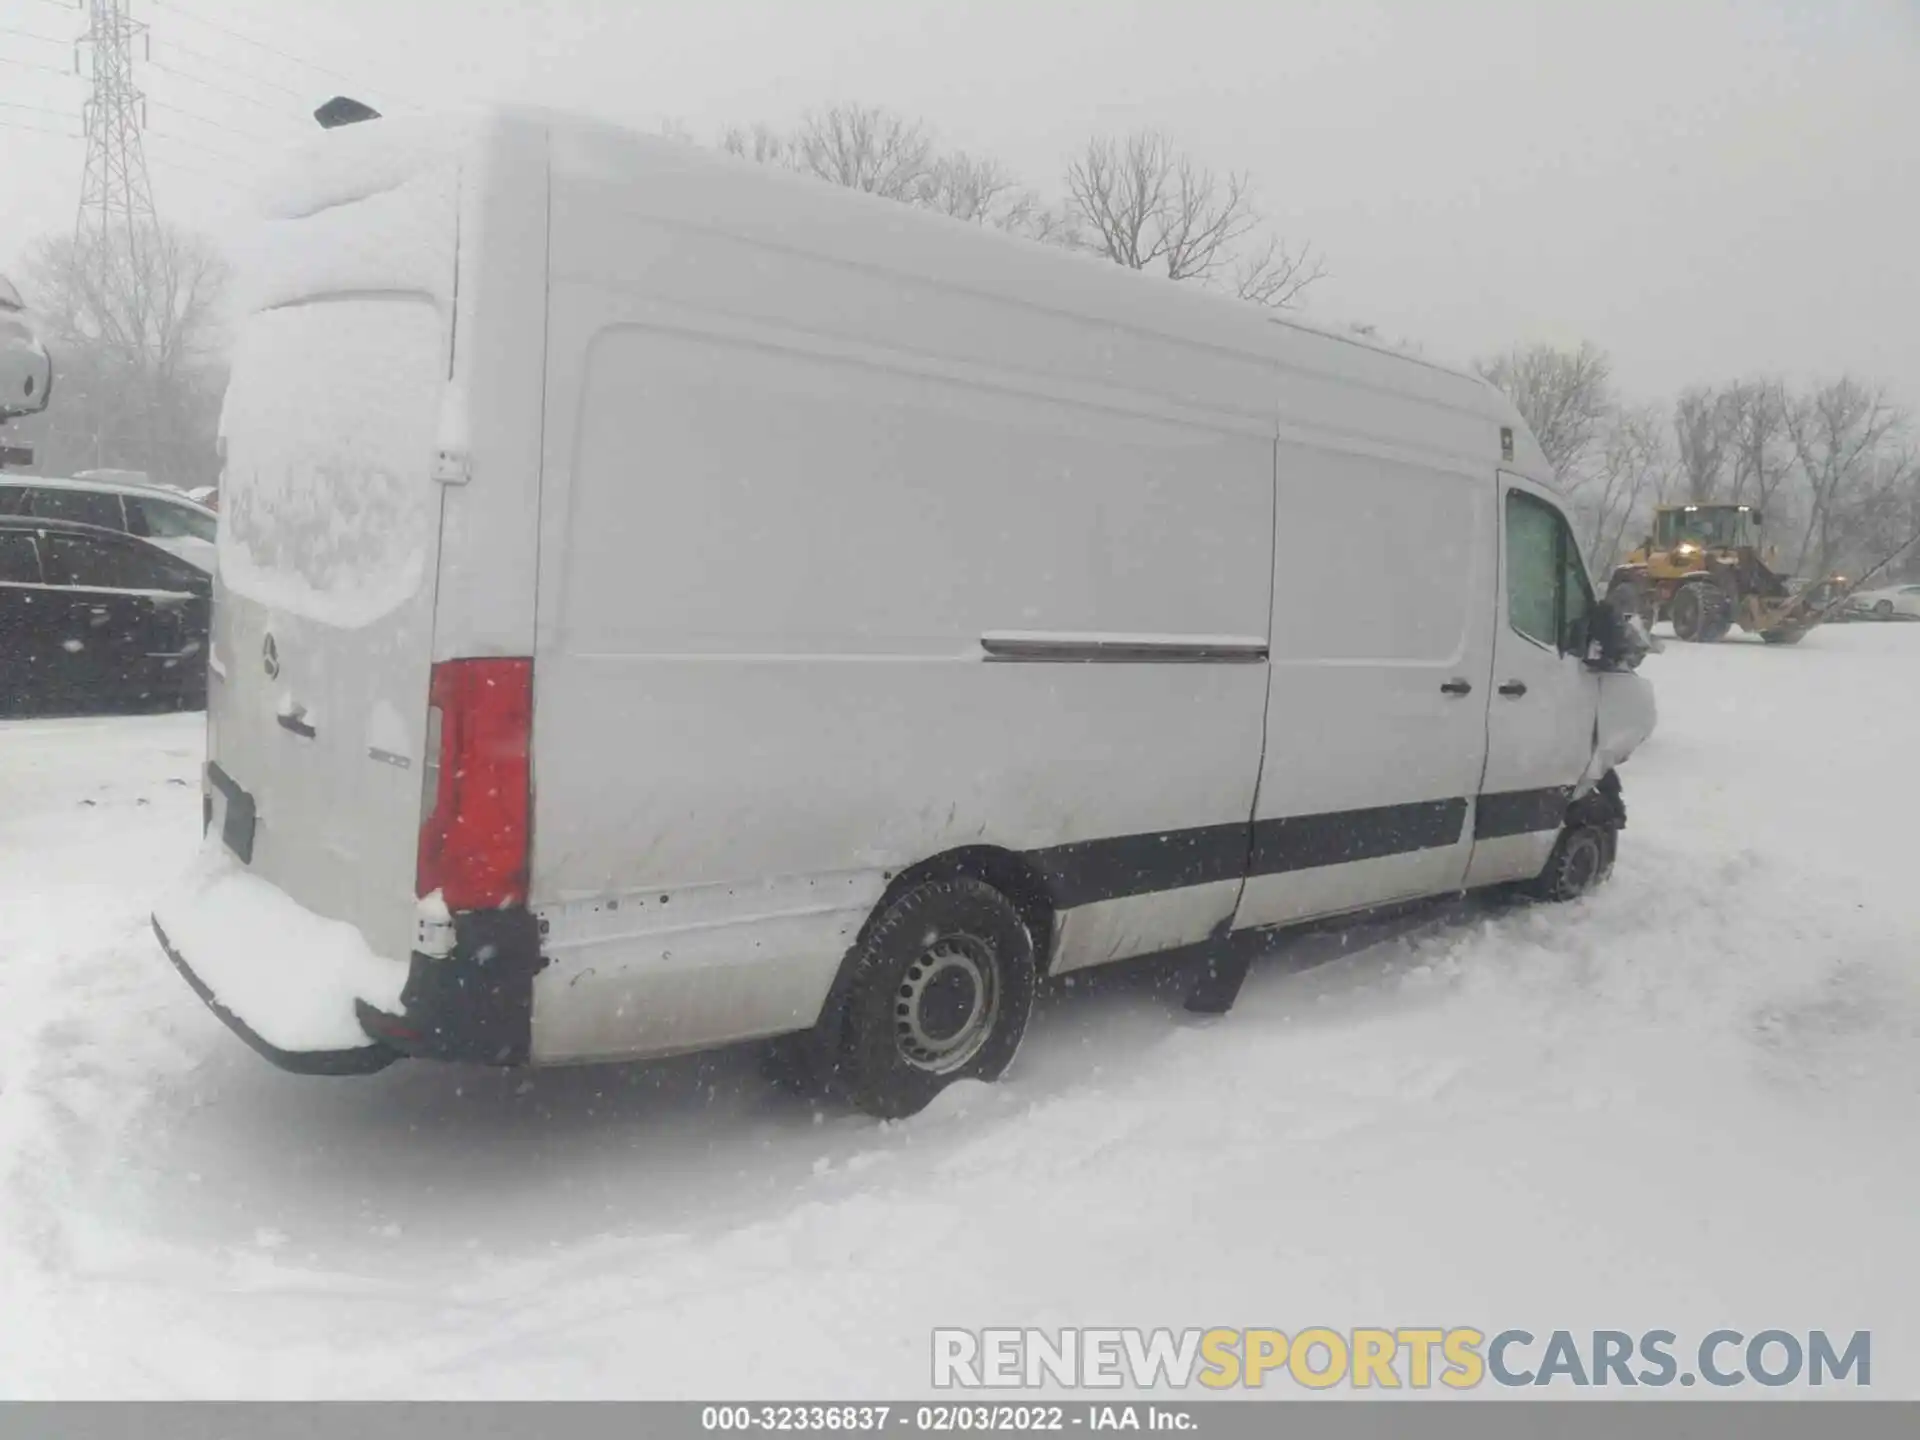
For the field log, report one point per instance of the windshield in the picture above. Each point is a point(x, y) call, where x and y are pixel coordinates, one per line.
point(1717, 526)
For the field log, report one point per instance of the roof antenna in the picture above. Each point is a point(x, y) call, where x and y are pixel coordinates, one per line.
point(343, 110)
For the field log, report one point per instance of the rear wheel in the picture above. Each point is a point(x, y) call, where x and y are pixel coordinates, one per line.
point(940, 990)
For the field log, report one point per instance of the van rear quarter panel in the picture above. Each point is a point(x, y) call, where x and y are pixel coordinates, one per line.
point(787, 488)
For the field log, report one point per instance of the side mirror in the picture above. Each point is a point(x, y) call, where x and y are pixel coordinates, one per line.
point(1582, 636)
point(1613, 641)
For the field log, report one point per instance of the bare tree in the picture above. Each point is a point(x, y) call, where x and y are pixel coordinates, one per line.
point(1702, 426)
point(1886, 522)
point(762, 143)
point(1037, 220)
point(1633, 467)
point(1563, 395)
point(1138, 202)
point(1614, 461)
point(1275, 276)
point(1850, 441)
point(982, 191)
point(873, 150)
point(866, 148)
point(1762, 455)
point(136, 339)
point(1144, 204)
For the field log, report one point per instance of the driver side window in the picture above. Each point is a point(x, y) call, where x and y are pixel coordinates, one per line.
point(1548, 594)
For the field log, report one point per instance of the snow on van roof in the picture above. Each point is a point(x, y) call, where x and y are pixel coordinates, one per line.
point(1354, 333)
point(336, 167)
point(361, 208)
point(586, 143)
point(362, 164)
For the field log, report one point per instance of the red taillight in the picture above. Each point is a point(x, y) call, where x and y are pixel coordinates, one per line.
point(476, 839)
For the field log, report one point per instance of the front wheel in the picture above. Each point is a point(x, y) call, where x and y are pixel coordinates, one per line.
point(1883, 608)
point(1582, 860)
point(1701, 613)
point(941, 988)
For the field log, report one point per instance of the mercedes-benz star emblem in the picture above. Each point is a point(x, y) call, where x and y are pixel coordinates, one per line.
point(270, 658)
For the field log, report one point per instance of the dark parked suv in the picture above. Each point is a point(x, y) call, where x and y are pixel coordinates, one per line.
point(91, 616)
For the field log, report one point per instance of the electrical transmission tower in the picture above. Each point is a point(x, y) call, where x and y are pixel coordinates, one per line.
point(116, 196)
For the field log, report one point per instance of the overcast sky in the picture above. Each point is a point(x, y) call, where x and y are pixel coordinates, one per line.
point(1707, 188)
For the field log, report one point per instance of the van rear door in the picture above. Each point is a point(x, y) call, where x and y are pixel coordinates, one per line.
point(328, 554)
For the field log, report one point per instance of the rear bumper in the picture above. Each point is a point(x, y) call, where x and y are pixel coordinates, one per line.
point(362, 1060)
point(308, 993)
point(473, 1006)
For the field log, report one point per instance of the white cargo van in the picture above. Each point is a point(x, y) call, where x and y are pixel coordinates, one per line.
point(663, 601)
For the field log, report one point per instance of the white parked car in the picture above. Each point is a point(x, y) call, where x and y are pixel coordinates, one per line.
point(26, 370)
point(742, 607)
point(1889, 602)
point(165, 518)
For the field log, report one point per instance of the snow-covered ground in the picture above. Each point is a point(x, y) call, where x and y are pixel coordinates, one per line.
point(1688, 1103)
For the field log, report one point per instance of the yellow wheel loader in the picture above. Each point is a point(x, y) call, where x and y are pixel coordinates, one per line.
point(1702, 569)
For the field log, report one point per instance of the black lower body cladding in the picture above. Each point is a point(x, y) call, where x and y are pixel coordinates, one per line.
point(473, 1005)
point(1603, 806)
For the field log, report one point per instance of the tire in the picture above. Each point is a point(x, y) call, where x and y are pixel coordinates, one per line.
point(940, 989)
point(1883, 608)
point(1581, 861)
point(1701, 613)
point(1688, 613)
point(1720, 617)
point(1783, 637)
